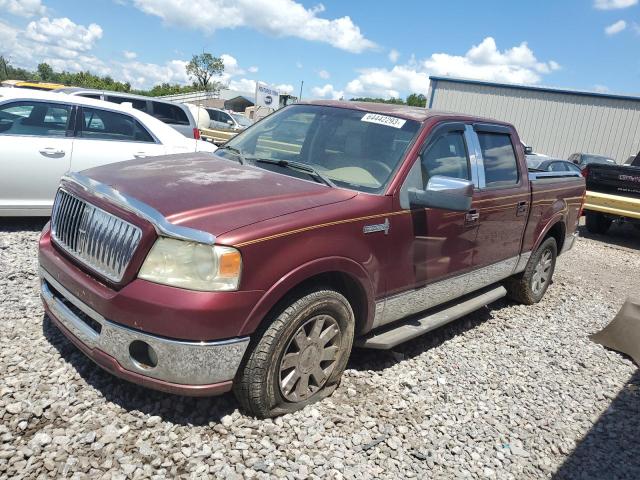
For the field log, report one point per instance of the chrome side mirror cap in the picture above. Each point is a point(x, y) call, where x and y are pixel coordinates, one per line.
point(442, 192)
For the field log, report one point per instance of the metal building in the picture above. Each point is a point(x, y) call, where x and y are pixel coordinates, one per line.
point(552, 121)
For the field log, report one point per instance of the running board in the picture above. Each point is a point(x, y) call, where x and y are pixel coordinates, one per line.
point(416, 326)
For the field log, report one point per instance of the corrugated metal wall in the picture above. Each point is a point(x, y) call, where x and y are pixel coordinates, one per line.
point(554, 123)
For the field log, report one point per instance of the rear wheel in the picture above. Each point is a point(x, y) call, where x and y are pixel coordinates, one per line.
point(597, 223)
point(530, 286)
point(297, 358)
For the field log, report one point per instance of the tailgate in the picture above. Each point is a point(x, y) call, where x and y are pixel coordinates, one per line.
point(614, 179)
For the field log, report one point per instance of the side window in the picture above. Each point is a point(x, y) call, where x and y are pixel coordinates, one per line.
point(446, 156)
point(137, 103)
point(225, 117)
point(95, 96)
point(105, 125)
point(34, 118)
point(214, 115)
point(168, 113)
point(558, 167)
point(500, 164)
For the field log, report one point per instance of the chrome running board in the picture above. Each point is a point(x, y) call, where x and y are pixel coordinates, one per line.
point(419, 325)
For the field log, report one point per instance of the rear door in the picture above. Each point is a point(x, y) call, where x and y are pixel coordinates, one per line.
point(105, 136)
point(501, 205)
point(35, 151)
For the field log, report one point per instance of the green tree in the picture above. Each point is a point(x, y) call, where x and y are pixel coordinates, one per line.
point(45, 72)
point(203, 68)
point(417, 100)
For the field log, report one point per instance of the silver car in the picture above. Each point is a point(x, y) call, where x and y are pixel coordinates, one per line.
point(176, 115)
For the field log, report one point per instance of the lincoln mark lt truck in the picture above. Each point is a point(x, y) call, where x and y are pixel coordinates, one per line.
point(325, 225)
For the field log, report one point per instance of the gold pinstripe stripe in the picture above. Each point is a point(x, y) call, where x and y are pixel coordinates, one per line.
point(322, 225)
point(392, 214)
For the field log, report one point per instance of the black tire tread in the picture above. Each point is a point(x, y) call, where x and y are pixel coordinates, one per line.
point(250, 385)
point(518, 286)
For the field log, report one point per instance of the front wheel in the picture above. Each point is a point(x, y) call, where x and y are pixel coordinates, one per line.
point(530, 286)
point(299, 356)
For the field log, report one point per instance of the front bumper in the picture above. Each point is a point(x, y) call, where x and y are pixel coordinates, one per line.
point(189, 368)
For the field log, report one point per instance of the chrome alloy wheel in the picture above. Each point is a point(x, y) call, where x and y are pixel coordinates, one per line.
point(542, 272)
point(309, 358)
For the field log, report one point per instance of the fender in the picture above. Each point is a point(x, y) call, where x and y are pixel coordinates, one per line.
point(302, 273)
point(557, 217)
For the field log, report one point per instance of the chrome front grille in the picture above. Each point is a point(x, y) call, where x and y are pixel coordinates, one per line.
point(97, 239)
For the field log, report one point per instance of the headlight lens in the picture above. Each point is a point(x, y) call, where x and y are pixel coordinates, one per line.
point(193, 266)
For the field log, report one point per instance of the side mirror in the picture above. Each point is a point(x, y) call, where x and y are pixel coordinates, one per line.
point(447, 193)
point(528, 150)
point(230, 122)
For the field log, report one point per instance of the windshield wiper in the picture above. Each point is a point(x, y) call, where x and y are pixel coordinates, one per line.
point(241, 158)
point(297, 166)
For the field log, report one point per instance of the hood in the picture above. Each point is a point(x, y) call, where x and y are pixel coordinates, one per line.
point(205, 192)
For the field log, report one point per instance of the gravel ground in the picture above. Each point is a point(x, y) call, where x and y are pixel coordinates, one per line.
point(508, 392)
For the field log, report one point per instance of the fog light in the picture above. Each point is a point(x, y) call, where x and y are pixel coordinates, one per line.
point(143, 354)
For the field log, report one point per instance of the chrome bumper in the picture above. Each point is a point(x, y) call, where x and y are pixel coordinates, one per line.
point(180, 362)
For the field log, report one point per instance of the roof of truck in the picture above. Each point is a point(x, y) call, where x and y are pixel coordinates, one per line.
point(418, 114)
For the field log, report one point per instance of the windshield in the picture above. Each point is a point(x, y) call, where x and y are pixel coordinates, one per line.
point(354, 149)
point(242, 120)
point(587, 159)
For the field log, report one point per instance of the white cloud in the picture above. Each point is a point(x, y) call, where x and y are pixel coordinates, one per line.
point(327, 91)
point(129, 55)
point(252, 69)
point(144, 75)
point(22, 8)
point(483, 62)
point(601, 88)
point(394, 55)
point(613, 4)
point(63, 33)
point(243, 85)
point(274, 17)
point(284, 88)
point(616, 27)
point(324, 74)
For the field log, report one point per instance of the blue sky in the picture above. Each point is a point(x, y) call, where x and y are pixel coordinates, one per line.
point(339, 49)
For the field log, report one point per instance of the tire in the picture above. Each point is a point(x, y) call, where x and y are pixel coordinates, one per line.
point(597, 223)
point(530, 286)
point(271, 379)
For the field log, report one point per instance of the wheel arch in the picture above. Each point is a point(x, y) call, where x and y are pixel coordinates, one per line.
point(342, 274)
point(556, 229)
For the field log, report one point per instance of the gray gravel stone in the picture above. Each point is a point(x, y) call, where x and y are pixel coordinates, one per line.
point(508, 392)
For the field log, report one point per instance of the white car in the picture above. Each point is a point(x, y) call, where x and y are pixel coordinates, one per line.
point(45, 134)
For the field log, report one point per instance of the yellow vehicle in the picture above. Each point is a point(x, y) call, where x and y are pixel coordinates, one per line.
point(32, 85)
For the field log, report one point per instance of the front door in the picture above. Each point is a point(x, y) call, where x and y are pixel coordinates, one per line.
point(35, 151)
point(431, 245)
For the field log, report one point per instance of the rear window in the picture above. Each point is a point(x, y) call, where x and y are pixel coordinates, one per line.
point(168, 113)
point(137, 103)
point(500, 164)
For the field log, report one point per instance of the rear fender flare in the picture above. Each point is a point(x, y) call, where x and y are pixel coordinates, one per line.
point(558, 217)
point(297, 276)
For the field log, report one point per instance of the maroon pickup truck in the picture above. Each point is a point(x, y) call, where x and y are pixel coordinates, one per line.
point(324, 226)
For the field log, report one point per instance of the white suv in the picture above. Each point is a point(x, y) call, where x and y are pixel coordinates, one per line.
point(45, 134)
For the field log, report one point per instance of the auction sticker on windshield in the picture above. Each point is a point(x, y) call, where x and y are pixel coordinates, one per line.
point(383, 120)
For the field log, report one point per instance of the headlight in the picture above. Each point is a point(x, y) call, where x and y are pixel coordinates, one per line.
point(193, 266)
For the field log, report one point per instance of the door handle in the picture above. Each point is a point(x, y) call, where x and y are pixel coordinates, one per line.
point(50, 151)
point(471, 217)
point(521, 208)
point(140, 155)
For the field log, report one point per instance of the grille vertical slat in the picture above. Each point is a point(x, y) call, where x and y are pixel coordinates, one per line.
point(96, 238)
